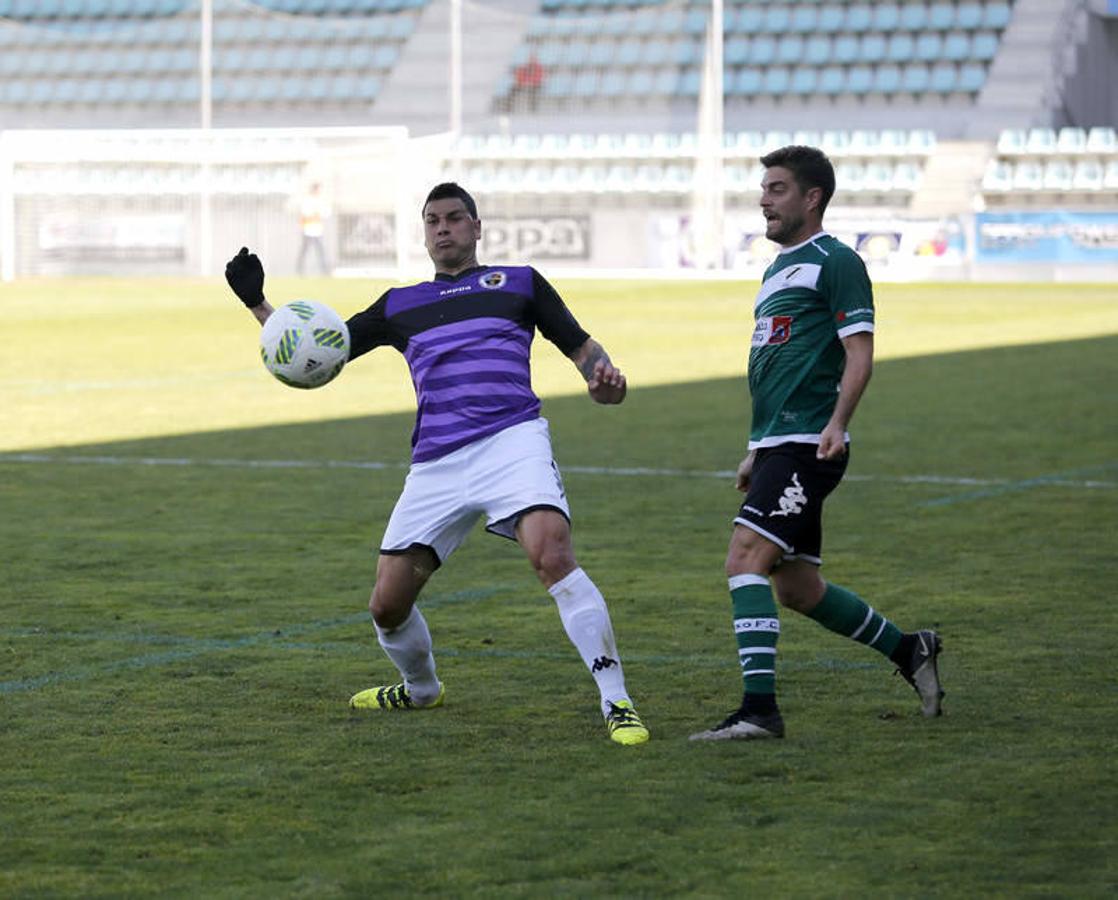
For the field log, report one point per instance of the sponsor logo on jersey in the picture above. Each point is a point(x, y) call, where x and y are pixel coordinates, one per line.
point(493, 280)
point(456, 290)
point(772, 330)
point(843, 315)
point(793, 500)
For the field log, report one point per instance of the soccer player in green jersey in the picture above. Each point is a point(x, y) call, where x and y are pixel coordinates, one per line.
point(810, 361)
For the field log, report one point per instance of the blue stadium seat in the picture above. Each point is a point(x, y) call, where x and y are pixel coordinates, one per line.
point(735, 52)
point(790, 49)
point(941, 16)
point(845, 49)
point(749, 20)
point(686, 52)
point(641, 82)
point(858, 18)
point(832, 80)
point(944, 79)
point(804, 80)
point(914, 16)
point(971, 78)
point(929, 47)
point(613, 83)
point(602, 54)
point(831, 19)
point(576, 53)
point(886, 16)
point(748, 82)
point(776, 81)
point(859, 80)
point(817, 52)
point(915, 78)
point(968, 16)
point(984, 46)
point(558, 85)
point(762, 51)
point(665, 82)
point(872, 48)
point(805, 20)
point(777, 20)
point(629, 52)
point(886, 79)
point(656, 53)
point(901, 48)
point(956, 47)
point(690, 82)
point(996, 16)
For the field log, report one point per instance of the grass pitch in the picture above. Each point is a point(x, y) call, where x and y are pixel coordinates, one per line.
point(188, 553)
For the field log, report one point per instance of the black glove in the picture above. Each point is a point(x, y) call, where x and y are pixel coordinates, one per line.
point(245, 275)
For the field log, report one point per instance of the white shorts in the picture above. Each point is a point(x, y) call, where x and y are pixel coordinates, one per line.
point(503, 476)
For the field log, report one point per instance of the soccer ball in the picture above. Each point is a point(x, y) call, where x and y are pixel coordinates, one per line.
point(304, 344)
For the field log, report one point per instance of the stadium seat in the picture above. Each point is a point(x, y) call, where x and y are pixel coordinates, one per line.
point(859, 80)
point(872, 48)
point(613, 83)
point(1028, 176)
point(602, 53)
point(849, 177)
point(817, 51)
point(748, 82)
point(1071, 140)
point(777, 19)
point(1102, 139)
point(906, 177)
point(845, 49)
point(968, 16)
point(886, 17)
point(878, 177)
point(831, 19)
point(858, 18)
point(944, 79)
point(1087, 176)
point(971, 78)
point(956, 47)
point(790, 50)
point(585, 84)
point(1011, 141)
point(998, 177)
point(916, 79)
point(929, 47)
point(832, 81)
point(762, 51)
point(914, 16)
point(1057, 175)
point(996, 15)
point(804, 80)
point(887, 79)
point(901, 48)
point(984, 46)
point(1041, 140)
point(941, 16)
point(805, 20)
point(629, 52)
point(776, 81)
point(1110, 176)
point(735, 52)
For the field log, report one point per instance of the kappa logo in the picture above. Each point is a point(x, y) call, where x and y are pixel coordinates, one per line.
point(793, 500)
point(493, 280)
point(602, 662)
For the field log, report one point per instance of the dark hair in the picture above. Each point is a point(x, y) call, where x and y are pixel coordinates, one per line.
point(809, 167)
point(451, 189)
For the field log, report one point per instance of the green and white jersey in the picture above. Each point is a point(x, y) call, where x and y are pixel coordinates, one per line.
point(811, 296)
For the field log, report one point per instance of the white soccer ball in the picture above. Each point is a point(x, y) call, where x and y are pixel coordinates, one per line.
point(304, 344)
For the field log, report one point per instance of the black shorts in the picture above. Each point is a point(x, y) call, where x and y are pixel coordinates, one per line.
point(785, 499)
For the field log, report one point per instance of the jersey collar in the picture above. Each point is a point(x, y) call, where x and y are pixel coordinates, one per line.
point(814, 237)
point(442, 276)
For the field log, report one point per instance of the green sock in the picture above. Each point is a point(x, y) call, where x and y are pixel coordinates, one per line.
point(845, 613)
point(756, 628)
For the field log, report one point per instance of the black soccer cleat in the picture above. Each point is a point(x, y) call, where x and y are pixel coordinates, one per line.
point(923, 673)
point(740, 726)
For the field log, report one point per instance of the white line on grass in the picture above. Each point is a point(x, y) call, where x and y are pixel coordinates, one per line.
point(612, 471)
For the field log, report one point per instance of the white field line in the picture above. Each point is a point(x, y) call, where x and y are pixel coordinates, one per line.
point(611, 471)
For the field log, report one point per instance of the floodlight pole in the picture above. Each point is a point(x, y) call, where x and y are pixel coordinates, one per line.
point(205, 67)
point(455, 67)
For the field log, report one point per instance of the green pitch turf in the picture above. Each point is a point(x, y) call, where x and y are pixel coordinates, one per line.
point(188, 550)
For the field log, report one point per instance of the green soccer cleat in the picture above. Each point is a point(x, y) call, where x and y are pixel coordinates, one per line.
point(625, 726)
point(391, 697)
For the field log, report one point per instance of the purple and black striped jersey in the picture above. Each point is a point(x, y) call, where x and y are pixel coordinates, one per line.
point(467, 340)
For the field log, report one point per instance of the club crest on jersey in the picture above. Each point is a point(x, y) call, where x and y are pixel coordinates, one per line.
point(772, 330)
point(493, 280)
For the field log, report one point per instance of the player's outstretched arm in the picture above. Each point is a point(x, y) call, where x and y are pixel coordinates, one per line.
point(245, 275)
point(604, 381)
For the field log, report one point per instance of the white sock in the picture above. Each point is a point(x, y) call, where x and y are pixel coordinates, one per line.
point(408, 645)
point(583, 612)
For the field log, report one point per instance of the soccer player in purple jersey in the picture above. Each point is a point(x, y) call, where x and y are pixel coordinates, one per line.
point(479, 447)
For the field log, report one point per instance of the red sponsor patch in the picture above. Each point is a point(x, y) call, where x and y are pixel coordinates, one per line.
point(840, 316)
point(782, 330)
